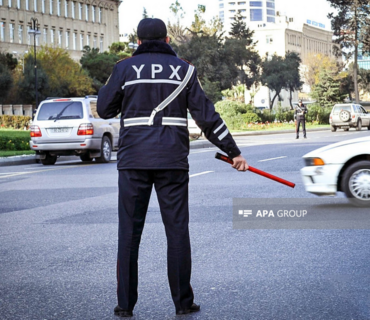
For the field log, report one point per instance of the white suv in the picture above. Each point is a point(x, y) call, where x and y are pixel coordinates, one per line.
point(347, 116)
point(72, 126)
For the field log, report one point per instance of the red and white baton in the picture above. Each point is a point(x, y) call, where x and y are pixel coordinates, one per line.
point(260, 172)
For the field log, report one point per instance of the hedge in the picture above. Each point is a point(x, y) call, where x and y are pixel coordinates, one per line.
point(10, 141)
point(15, 122)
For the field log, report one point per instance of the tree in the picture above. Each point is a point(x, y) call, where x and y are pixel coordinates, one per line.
point(328, 90)
point(58, 76)
point(7, 64)
point(274, 75)
point(145, 13)
point(351, 29)
point(99, 66)
point(292, 62)
point(240, 48)
point(175, 30)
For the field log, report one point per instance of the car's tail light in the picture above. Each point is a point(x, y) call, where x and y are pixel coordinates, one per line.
point(35, 132)
point(85, 129)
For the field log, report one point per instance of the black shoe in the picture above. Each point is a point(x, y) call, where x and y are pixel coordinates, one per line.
point(118, 311)
point(305, 137)
point(297, 137)
point(194, 308)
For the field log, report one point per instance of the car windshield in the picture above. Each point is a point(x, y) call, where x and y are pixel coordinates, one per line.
point(339, 108)
point(60, 110)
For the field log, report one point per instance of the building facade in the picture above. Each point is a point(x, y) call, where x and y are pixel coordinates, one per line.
point(64, 23)
point(255, 13)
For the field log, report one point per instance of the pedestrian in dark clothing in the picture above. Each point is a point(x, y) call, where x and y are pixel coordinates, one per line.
point(299, 117)
point(152, 91)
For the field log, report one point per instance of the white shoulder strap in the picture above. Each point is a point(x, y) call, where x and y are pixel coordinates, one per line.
point(172, 96)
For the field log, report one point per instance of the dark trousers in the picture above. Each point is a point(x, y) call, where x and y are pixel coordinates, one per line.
point(135, 187)
point(303, 121)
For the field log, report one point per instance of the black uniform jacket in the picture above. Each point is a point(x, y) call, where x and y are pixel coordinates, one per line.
point(300, 112)
point(137, 86)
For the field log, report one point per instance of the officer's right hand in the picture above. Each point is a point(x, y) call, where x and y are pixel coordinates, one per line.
point(240, 163)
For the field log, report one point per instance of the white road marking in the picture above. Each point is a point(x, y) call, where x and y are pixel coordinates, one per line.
point(22, 173)
point(199, 174)
point(272, 159)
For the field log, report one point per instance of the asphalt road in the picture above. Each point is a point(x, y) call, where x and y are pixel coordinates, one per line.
point(58, 231)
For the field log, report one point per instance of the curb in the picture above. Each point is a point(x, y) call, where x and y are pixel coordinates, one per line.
point(19, 160)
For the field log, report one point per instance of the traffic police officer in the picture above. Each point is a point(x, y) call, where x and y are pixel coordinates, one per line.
point(299, 117)
point(153, 90)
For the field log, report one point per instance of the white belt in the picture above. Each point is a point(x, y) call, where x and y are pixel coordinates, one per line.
point(144, 121)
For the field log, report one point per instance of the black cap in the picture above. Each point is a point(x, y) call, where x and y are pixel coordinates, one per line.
point(151, 29)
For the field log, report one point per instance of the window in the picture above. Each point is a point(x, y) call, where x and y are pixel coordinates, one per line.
point(20, 33)
point(270, 5)
point(51, 6)
point(242, 10)
point(49, 111)
point(1, 2)
point(221, 14)
point(74, 40)
point(232, 11)
point(2, 31)
point(45, 35)
point(256, 14)
point(88, 40)
point(93, 13)
point(87, 7)
point(73, 9)
point(27, 4)
point(271, 19)
point(11, 32)
point(67, 39)
point(60, 38)
point(10, 3)
point(231, 3)
point(241, 3)
point(255, 3)
point(28, 35)
point(43, 6)
point(101, 44)
point(66, 8)
point(37, 40)
point(58, 8)
point(80, 10)
point(270, 12)
point(100, 15)
point(269, 39)
point(35, 5)
point(52, 34)
point(95, 43)
point(221, 5)
point(81, 41)
point(18, 4)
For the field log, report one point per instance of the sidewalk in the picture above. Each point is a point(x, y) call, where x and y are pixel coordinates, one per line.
point(198, 144)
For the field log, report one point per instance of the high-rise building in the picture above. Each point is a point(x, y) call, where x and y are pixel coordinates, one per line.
point(60, 22)
point(255, 13)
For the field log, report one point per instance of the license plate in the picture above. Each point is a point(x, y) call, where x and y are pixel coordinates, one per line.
point(59, 130)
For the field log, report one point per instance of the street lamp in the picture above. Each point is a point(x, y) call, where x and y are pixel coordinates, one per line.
point(35, 31)
point(132, 45)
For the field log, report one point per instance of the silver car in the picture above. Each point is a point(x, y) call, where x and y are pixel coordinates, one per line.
point(346, 116)
point(72, 126)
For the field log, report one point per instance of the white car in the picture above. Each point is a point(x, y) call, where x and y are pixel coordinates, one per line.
point(72, 126)
point(343, 166)
point(346, 116)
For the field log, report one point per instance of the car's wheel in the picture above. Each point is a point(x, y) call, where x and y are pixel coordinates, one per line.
point(86, 157)
point(356, 183)
point(359, 125)
point(333, 129)
point(346, 129)
point(106, 150)
point(345, 115)
point(49, 160)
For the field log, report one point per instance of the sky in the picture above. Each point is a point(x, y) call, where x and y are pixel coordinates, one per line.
point(130, 11)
